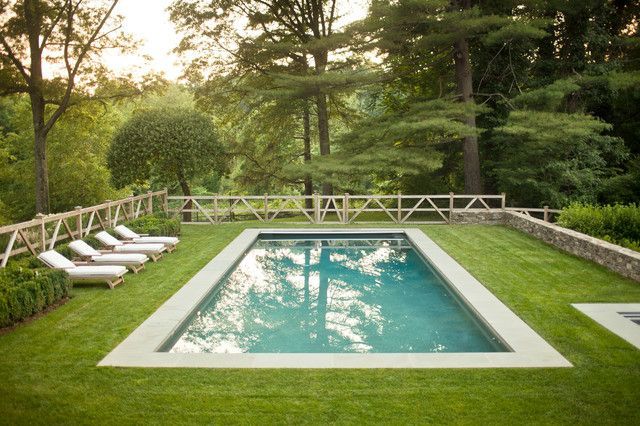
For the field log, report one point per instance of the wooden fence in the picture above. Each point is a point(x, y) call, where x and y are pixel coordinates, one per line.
point(545, 213)
point(43, 232)
point(338, 209)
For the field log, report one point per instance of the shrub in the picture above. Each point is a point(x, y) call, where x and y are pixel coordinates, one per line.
point(93, 242)
point(156, 224)
point(24, 292)
point(619, 224)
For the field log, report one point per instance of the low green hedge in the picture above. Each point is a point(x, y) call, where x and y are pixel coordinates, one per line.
point(24, 292)
point(619, 224)
point(27, 288)
point(156, 224)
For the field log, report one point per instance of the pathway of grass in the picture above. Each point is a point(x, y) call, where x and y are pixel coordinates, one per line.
point(48, 373)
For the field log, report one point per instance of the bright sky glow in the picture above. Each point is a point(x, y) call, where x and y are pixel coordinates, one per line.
point(148, 21)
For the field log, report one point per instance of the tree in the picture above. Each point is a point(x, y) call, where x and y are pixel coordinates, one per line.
point(297, 48)
point(582, 74)
point(551, 154)
point(264, 138)
point(78, 173)
point(35, 33)
point(166, 145)
point(441, 31)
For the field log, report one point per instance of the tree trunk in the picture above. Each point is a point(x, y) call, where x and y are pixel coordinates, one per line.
point(472, 180)
point(32, 14)
point(186, 191)
point(323, 117)
point(42, 171)
point(306, 136)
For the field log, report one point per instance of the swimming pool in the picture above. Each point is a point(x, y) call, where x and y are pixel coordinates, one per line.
point(334, 299)
point(329, 293)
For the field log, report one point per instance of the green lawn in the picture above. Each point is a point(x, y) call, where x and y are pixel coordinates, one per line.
point(48, 370)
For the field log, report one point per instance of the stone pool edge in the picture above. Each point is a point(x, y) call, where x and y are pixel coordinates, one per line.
point(529, 349)
point(608, 315)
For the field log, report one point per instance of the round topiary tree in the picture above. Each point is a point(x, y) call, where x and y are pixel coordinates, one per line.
point(165, 145)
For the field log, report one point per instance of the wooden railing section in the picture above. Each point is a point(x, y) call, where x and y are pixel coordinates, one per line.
point(337, 209)
point(546, 213)
point(43, 232)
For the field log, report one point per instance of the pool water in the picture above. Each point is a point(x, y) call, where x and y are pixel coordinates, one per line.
point(360, 293)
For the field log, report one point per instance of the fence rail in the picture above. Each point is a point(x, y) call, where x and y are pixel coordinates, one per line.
point(338, 209)
point(43, 232)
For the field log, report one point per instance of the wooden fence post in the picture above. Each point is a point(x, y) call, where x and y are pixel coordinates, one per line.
point(43, 232)
point(546, 213)
point(215, 208)
point(165, 201)
point(266, 207)
point(150, 202)
point(399, 207)
point(78, 223)
point(108, 213)
point(316, 207)
point(450, 207)
point(345, 208)
point(133, 208)
point(503, 201)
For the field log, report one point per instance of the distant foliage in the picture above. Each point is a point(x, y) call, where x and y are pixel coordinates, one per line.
point(618, 224)
point(78, 146)
point(156, 224)
point(548, 156)
point(24, 292)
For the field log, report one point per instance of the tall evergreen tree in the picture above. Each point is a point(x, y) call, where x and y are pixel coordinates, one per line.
point(442, 31)
point(299, 46)
point(594, 46)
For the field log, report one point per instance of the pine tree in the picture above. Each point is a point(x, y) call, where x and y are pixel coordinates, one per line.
point(441, 31)
point(295, 47)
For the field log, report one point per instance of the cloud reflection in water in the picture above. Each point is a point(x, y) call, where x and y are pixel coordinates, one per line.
point(333, 296)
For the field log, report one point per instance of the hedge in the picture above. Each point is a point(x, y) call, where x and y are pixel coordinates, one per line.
point(619, 224)
point(27, 288)
point(24, 292)
point(156, 224)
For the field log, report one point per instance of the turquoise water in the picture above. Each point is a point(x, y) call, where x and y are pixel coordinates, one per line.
point(349, 294)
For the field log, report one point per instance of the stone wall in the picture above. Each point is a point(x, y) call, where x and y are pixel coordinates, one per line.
point(477, 216)
point(619, 259)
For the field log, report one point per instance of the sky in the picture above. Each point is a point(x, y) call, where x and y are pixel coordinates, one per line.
point(148, 21)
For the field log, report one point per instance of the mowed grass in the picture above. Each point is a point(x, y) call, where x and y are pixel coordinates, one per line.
point(48, 372)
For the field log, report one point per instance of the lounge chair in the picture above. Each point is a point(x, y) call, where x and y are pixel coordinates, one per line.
point(154, 251)
point(133, 261)
point(128, 235)
point(111, 274)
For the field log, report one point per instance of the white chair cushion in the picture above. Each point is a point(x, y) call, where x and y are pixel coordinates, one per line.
point(161, 240)
point(107, 239)
point(125, 232)
point(125, 258)
point(139, 248)
point(86, 272)
point(83, 249)
point(55, 260)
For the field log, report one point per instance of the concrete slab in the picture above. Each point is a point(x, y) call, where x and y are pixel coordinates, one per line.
point(609, 315)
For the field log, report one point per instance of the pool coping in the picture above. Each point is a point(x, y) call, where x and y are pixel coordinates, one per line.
point(608, 315)
point(528, 349)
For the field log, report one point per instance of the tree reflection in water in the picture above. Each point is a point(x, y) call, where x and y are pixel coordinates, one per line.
point(333, 296)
